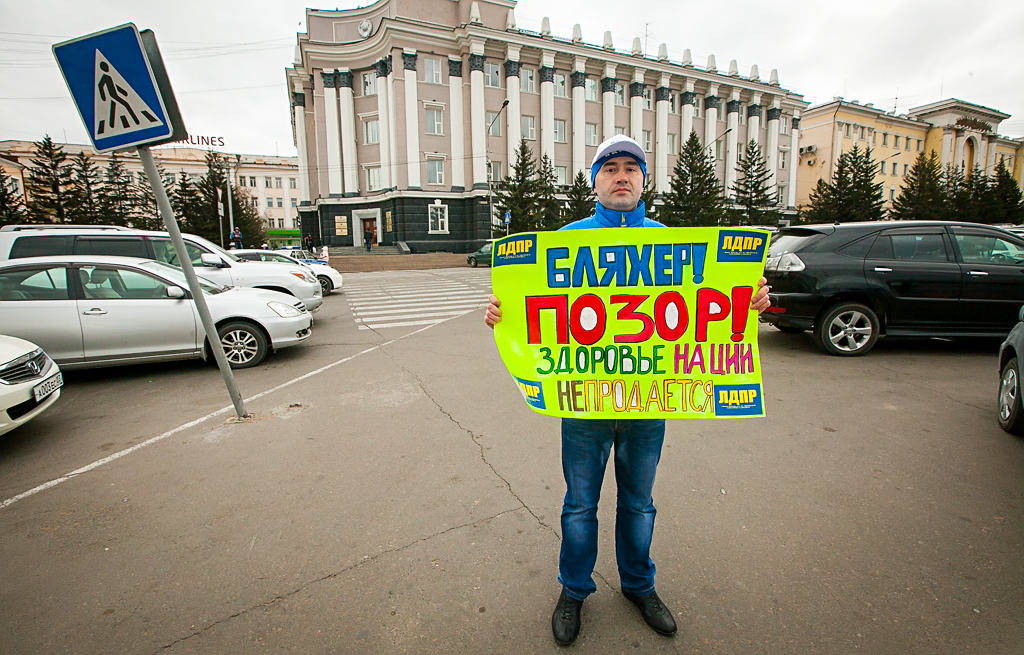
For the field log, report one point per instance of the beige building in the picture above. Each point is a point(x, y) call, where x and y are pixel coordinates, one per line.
point(402, 108)
point(959, 132)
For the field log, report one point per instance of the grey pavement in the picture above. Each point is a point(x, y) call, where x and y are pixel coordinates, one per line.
point(406, 500)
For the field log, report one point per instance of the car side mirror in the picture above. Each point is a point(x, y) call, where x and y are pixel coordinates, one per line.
point(210, 259)
point(175, 292)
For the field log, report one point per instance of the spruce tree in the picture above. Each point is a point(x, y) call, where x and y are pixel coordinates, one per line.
point(922, 196)
point(48, 183)
point(580, 200)
point(852, 195)
point(549, 211)
point(147, 212)
point(519, 190)
point(12, 206)
point(695, 194)
point(117, 194)
point(648, 196)
point(83, 196)
point(186, 201)
point(1007, 196)
point(753, 195)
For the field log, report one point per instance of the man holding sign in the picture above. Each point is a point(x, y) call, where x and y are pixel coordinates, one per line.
point(617, 176)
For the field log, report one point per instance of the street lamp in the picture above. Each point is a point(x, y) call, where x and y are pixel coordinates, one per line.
point(490, 167)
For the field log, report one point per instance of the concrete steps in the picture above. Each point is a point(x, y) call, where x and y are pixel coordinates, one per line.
point(361, 251)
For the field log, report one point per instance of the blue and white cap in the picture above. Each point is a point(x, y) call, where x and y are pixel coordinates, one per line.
point(619, 145)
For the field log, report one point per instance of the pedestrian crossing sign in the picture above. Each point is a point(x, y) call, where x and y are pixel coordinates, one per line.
point(122, 94)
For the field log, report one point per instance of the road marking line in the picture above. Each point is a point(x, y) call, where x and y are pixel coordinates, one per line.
point(190, 424)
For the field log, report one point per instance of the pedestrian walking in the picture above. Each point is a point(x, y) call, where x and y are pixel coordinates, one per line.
point(367, 238)
point(236, 239)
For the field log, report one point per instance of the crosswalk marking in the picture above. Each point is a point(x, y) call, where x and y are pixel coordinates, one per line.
point(415, 298)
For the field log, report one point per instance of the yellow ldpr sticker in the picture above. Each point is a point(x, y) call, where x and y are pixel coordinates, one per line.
point(632, 323)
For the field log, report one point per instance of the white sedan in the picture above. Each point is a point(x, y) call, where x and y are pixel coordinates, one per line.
point(92, 310)
point(29, 382)
point(329, 278)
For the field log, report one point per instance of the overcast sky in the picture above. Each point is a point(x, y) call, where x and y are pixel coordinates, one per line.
point(226, 59)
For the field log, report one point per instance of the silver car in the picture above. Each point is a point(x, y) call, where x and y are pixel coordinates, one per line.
point(94, 310)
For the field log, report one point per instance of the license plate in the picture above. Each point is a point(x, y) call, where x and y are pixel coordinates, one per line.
point(48, 386)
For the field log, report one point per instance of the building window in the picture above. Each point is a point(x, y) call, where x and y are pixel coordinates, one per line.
point(784, 126)
point(527, 125)
point(648, 98)
point(895, 141)
point(782, 159)
point(696, 107)
point(919, 145)
point(874, 138)
point(590, 132)
point(718, 150)
point(885, 138)
point(527, 80)
point(370, 84)
point(906, 169)
point(291, 183)
point(846, 130)
point(882, 168)
point(620, 130)
point(559, 85)
point(373, 178)
point(270, 223)
point(252, 181)
point(438, 219)
point(256, 203)
point(895, 168)
point(434, 122)
point(741, 115)
point(862, 132)
point(341, 226)
point(493, 125)
point(371, 131)
point(267, 182)
point(280, 223)
point(492, 76)
point(241, 180)
point(892, 194)
point(907, 142)
point(590, 90)
point(435, 171)
point(432, 70)
point(560, 172)
point(646, 139)
point(673, 102)
point(296, 224)
point(781, 199)
point(672, 145)
point(277, 183)
point(280, 202)
point(559, 130)
point(494, 171)
point(620, 94)
point(295, 203)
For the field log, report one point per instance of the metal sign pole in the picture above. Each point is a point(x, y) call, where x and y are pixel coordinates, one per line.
point(212, 337)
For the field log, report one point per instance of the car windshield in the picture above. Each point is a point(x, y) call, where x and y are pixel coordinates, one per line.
point(213, 247)
point(176, 275)
point(791, 241)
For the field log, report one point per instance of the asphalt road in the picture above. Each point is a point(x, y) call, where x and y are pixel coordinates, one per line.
point(402, 498)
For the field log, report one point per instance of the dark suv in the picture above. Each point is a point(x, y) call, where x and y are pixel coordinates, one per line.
point(852, 283)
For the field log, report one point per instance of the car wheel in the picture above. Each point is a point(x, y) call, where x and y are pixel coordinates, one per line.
point(847, 330)
point(325, 284)
point(789, 329)
point(244, 344)
point(472, 262)
point(1011, 415)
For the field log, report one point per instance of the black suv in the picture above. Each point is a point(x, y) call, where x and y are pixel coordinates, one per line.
point(852, 283)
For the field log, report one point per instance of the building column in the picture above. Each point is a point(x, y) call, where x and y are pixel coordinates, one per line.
point(771, 153)
point(579, 118)
point(332, 127)
point(393, 125)
point(794, 159)
point(754, 120)
point(947, 145)
point(547, 105)
point(661, 96)
point(958, 154)
point(711, 103)
point(687, 99)
point(608, 83)
point(477, 117)
point(383, 69)
point(732, 117)
point(412, 125)
point(350, 163)
point(457, 120)
point(514, 111)
point(299, 115)
point(636, 106)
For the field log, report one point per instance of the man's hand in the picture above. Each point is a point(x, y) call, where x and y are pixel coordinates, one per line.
point(493, 314)
point(760, 301)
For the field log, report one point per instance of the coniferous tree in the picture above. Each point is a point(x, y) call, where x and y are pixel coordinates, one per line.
point(204, 218)
point(12, 206)
point(648, 196)
point(117, 194)
point(518, 192)
point(83, 196)
point(48, 183)
point(753, 195)
point(695, 195)
point(580, 200)
point(147, 212)
point(922, 196)
point(185, 200)
point(1007, 196)
point(549, 212)
point(852, 195)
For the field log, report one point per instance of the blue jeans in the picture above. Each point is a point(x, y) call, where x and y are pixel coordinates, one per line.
point(586, 444)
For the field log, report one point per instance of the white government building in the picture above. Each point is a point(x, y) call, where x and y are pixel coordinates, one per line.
point(401, 108)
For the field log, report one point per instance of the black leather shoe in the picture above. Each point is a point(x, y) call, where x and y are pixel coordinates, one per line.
point(654, 612)
point(565, 622)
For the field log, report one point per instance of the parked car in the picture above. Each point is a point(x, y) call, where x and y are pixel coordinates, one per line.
point(329, 278)
point(29, 382)
point(300, 255)
point(210, 261)
point(91, 310)
point(1011, 358)
point(851, 284)
point(482, 256)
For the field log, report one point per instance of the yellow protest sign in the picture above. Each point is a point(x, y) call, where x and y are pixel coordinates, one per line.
point(631, 323)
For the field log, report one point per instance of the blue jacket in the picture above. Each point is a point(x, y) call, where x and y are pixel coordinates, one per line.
point(607, 218)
